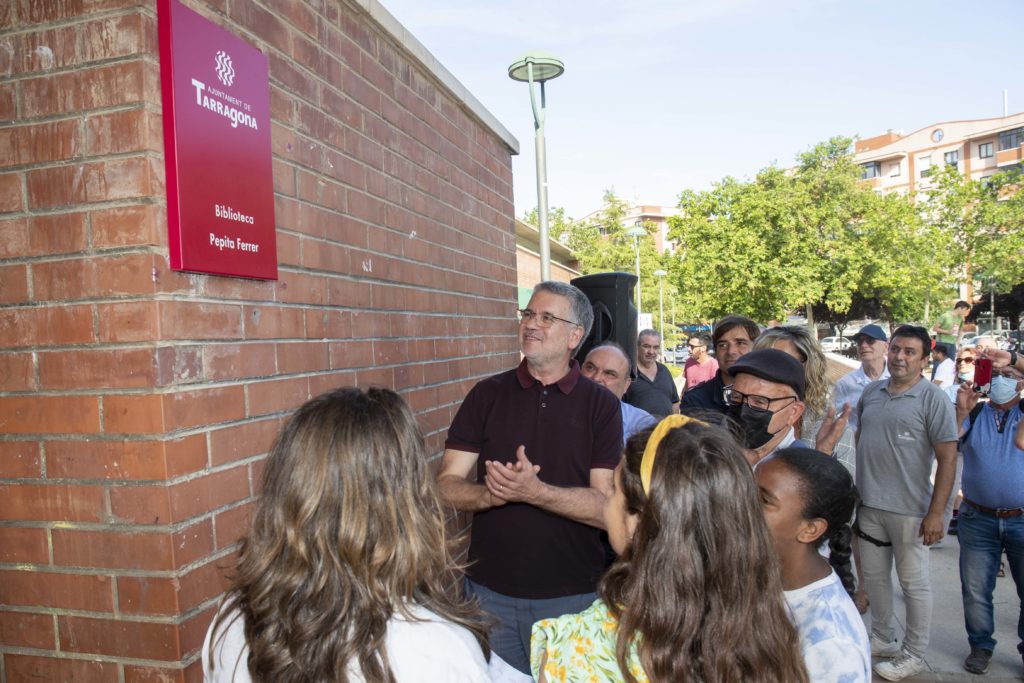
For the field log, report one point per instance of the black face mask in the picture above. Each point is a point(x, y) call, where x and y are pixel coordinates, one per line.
point(752, 423)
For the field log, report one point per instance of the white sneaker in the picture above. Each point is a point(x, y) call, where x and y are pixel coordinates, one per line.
point(881, 648)
point(903, 665)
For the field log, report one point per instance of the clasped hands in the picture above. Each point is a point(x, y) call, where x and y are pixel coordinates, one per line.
point(513, 482)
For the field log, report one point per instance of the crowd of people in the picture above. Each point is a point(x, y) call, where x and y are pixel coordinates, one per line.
point(622, 532)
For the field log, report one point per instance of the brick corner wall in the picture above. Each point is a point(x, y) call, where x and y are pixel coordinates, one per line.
point(137, 403)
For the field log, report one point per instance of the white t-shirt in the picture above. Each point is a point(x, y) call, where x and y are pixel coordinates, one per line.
point(418, 652)
point(833, 639)
point(945, 374)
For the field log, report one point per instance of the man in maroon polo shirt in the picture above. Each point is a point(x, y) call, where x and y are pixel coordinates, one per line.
point(542, 441)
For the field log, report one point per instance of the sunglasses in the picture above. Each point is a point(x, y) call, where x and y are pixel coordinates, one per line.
point(965, 361)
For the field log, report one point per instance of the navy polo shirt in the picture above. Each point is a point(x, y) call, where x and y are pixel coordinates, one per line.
point(709, 396)
point(568, 428)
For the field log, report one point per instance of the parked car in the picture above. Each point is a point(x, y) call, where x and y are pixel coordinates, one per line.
point(682, 353)
point(835, 344)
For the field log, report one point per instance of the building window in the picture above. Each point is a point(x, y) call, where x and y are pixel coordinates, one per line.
point(870, 170)
point(1009, 139)
point(896, 169)
point(952, 158)
point(985, 150)
point(925, 163)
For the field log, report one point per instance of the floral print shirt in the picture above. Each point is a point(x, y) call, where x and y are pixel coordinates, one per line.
point(580, 648)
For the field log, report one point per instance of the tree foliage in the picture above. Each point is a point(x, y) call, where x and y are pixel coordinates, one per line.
point(813, 237)
point(980, 222)
point(558, 222)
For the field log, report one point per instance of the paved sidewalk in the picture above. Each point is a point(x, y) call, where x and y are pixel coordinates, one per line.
point(949, 640)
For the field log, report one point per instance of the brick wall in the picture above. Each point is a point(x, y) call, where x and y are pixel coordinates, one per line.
point(137, 403)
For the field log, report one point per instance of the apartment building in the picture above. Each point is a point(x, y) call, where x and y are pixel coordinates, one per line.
point(651, 215)
point(894, 162)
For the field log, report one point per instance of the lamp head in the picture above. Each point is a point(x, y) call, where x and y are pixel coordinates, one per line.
point(545, 67)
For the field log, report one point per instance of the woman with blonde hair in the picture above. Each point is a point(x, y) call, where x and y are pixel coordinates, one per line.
point(346, 574)
point(696, 594)
point(798, 342)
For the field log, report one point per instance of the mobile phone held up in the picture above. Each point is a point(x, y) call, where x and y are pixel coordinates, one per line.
point(983, 375)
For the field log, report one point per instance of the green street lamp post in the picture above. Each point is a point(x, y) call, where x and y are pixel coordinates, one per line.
point(636, 232)
point(539, 67)
point(660, 274)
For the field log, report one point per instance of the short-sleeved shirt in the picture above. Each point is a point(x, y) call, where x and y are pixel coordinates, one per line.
point(849, 388)
point(833, 640)
point(945, 374)
point(635, 420)
point(581, 647)
point(423, 649)
point(698, 373)
point(709, 396)
point(568, 428)
point(993, 466)
point(896, 445)
point(655, 397)
point(948, 321)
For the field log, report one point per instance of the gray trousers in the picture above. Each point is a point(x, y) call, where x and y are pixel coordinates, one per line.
point(911, 558)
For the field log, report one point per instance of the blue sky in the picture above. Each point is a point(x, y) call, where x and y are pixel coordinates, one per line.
point(660, 96)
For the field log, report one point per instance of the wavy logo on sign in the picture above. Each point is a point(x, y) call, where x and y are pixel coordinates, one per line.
point(225, 71)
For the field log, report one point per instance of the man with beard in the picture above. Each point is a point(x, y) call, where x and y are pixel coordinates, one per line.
point(700, 366)
point(531, 453)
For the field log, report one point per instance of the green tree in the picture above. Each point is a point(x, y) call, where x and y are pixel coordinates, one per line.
point(792, 239)
point(980, 225)
point(558, 223)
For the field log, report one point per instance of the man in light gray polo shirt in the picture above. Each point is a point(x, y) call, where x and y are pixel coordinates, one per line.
point(903, 422)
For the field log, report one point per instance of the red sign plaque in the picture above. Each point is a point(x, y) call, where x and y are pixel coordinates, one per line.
point(216, 107)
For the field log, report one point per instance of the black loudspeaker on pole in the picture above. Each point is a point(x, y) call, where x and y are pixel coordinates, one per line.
point(615, 316)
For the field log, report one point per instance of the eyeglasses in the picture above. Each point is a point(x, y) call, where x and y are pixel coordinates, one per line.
point(966, 361)
point(737, 398)
point(542, 319)
point(695, 346)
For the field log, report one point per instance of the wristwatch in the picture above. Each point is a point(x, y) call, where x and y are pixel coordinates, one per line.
point(1013, 359)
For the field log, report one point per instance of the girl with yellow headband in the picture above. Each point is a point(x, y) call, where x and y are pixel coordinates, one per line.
point(695, 594)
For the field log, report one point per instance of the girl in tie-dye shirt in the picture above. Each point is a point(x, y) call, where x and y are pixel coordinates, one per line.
point(808, 500)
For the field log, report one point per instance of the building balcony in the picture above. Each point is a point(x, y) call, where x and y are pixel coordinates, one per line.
point(1009, 157)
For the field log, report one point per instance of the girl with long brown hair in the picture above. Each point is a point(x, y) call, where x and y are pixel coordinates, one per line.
point(346, 574)
point(695, 596)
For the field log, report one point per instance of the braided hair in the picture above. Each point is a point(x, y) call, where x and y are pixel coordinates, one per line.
point(828, 493)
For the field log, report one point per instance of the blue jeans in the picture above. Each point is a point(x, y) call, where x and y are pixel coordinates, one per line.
point(983, 538)
point(514, 617)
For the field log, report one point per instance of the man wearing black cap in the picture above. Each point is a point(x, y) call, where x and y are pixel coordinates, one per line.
point(766, 401)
